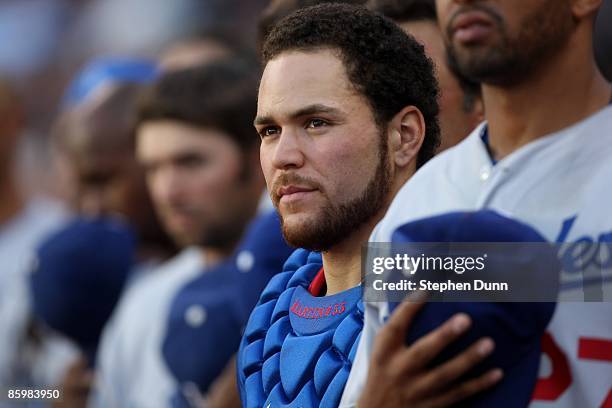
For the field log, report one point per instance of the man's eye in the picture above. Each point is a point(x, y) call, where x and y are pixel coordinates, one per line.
point(192, 162)
point(97, 179)
point(316, 123)
point(149, 168)
point(269, 131)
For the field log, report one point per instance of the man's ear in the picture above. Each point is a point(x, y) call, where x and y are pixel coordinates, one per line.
point(585, 8)
point(406, 135)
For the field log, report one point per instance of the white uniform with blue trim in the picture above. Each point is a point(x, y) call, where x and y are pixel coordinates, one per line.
point(130, 371)
point(561, 184)
point(23, 364)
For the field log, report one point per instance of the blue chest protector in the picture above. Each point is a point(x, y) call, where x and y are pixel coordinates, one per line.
point(298, 349)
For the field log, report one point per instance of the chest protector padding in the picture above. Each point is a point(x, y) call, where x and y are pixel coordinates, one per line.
point(298, 349)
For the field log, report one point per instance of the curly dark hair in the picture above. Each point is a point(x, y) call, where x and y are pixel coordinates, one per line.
point(220, 95)
point(405, 11)
point(382, 62)
point(277, 10)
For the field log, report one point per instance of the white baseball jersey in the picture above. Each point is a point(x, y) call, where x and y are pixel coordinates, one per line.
point(130, 371)
point(20, 364)
point(560, 184)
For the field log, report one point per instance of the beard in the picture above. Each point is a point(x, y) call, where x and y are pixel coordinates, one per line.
point(213, 234)
point(336, 222)
point(541, 35)
point(223, 229)
point(222, 235)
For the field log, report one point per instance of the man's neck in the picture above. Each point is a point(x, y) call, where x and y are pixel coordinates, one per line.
point(565, 90)
point(342, 263)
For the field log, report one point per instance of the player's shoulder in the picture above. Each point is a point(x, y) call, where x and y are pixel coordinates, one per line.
point(600, 120)
point(588, 144)
point(158, 284)
point(442, 183)
point(599, 130)
point(169, 271)
point(39, 218)
point(444, 168)
point(593, 133)
point(46, 211)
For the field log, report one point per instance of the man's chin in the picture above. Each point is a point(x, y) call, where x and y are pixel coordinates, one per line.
point(296, 221)
point(299, 231)
point(184, 239)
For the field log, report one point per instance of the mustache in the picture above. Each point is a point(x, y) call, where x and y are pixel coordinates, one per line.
point(287, 179)
point(176, 208)
point(494, 15)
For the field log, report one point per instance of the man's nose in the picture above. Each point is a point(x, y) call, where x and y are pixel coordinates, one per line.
point(168, 185)
point(288, 151)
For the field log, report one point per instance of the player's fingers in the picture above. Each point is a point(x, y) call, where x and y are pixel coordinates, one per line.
point(419, 354)
point(467, 389)
point(393, 333)
point(445, 374)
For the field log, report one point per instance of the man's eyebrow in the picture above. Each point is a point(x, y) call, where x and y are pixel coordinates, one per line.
point(308, 110)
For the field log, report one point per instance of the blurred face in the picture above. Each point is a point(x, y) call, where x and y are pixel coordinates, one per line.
point(104, 183)
point(99, 175)
point(196, 180)
point(324, 159)
point(455, 121)
point(502, 41)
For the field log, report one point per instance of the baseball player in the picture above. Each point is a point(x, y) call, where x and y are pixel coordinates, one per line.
point(543, 156)
point(94, 150)
point(346, 113)
point(94, 144)
point(24, 222)
point(208, 315)
point(197, 146)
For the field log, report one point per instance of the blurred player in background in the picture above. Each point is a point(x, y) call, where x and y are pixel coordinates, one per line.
point(25, 359)
point(209, 314)
point(544, 157)
point(196, 143)
point(94, 141)
point(234, 285)
point(461, 108)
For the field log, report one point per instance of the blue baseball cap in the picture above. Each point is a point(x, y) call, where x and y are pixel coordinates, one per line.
point(208, 315)
point(516, 328)
point(103, 71)
point(78, 277)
